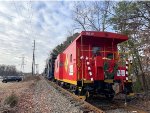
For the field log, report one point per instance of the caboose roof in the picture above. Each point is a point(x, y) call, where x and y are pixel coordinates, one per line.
point(103, 35)
point(92, 35)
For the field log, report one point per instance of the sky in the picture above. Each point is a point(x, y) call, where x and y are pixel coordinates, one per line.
point(48, 23)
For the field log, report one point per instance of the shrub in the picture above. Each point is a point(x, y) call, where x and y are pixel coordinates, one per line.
point(137, 87)
point(11, 100)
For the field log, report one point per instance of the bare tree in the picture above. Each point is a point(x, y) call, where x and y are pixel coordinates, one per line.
point(92, 15)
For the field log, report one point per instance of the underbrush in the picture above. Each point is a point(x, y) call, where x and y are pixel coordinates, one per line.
point(137, 87)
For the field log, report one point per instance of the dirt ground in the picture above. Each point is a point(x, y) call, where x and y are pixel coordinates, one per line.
point(25, 92)
point(34, 96)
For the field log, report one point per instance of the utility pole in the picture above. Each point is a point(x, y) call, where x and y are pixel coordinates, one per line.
point(33, 59)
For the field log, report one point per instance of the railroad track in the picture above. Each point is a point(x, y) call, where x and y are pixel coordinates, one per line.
point(96, 104)
point(116, 104)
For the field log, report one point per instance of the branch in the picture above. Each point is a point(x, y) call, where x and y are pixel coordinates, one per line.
point(80, 24)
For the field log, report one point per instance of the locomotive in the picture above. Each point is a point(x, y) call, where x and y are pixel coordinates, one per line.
point(92, 65)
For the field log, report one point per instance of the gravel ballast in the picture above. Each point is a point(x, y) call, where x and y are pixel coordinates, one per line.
point(47, 99)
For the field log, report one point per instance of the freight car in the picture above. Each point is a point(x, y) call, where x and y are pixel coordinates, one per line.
point(49, 68)
point(91, 65)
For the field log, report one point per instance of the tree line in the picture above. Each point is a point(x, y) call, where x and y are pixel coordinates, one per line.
point(8, 70)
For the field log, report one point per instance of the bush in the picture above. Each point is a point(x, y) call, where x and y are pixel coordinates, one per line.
point(11, 100)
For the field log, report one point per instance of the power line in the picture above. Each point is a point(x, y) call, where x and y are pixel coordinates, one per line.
point(30, 17)
point(29, 26)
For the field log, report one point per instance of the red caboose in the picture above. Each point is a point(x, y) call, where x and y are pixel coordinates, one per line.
point(90, 64)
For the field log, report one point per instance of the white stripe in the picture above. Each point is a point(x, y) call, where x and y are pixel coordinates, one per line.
point(89, 68)
point(90, 73)
point(126, 78)
point(126, 62)
point(91, 79)
point(82, 57)
point(126, 67)
point(86, 58)
point(127, 72)
point(88, 63)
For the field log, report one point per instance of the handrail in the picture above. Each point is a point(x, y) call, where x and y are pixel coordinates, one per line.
point(109, 51)
point(117, 57)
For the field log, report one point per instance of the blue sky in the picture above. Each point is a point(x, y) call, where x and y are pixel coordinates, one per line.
point(49, 23)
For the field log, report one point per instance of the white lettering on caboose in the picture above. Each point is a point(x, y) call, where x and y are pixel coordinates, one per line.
point(90, 33)
point(121, 73)
point(71, 70)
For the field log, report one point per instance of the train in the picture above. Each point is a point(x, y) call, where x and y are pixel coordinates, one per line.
point(92, 65)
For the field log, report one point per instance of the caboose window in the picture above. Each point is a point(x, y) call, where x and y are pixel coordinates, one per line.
point(71, 58)
point(96, 51)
